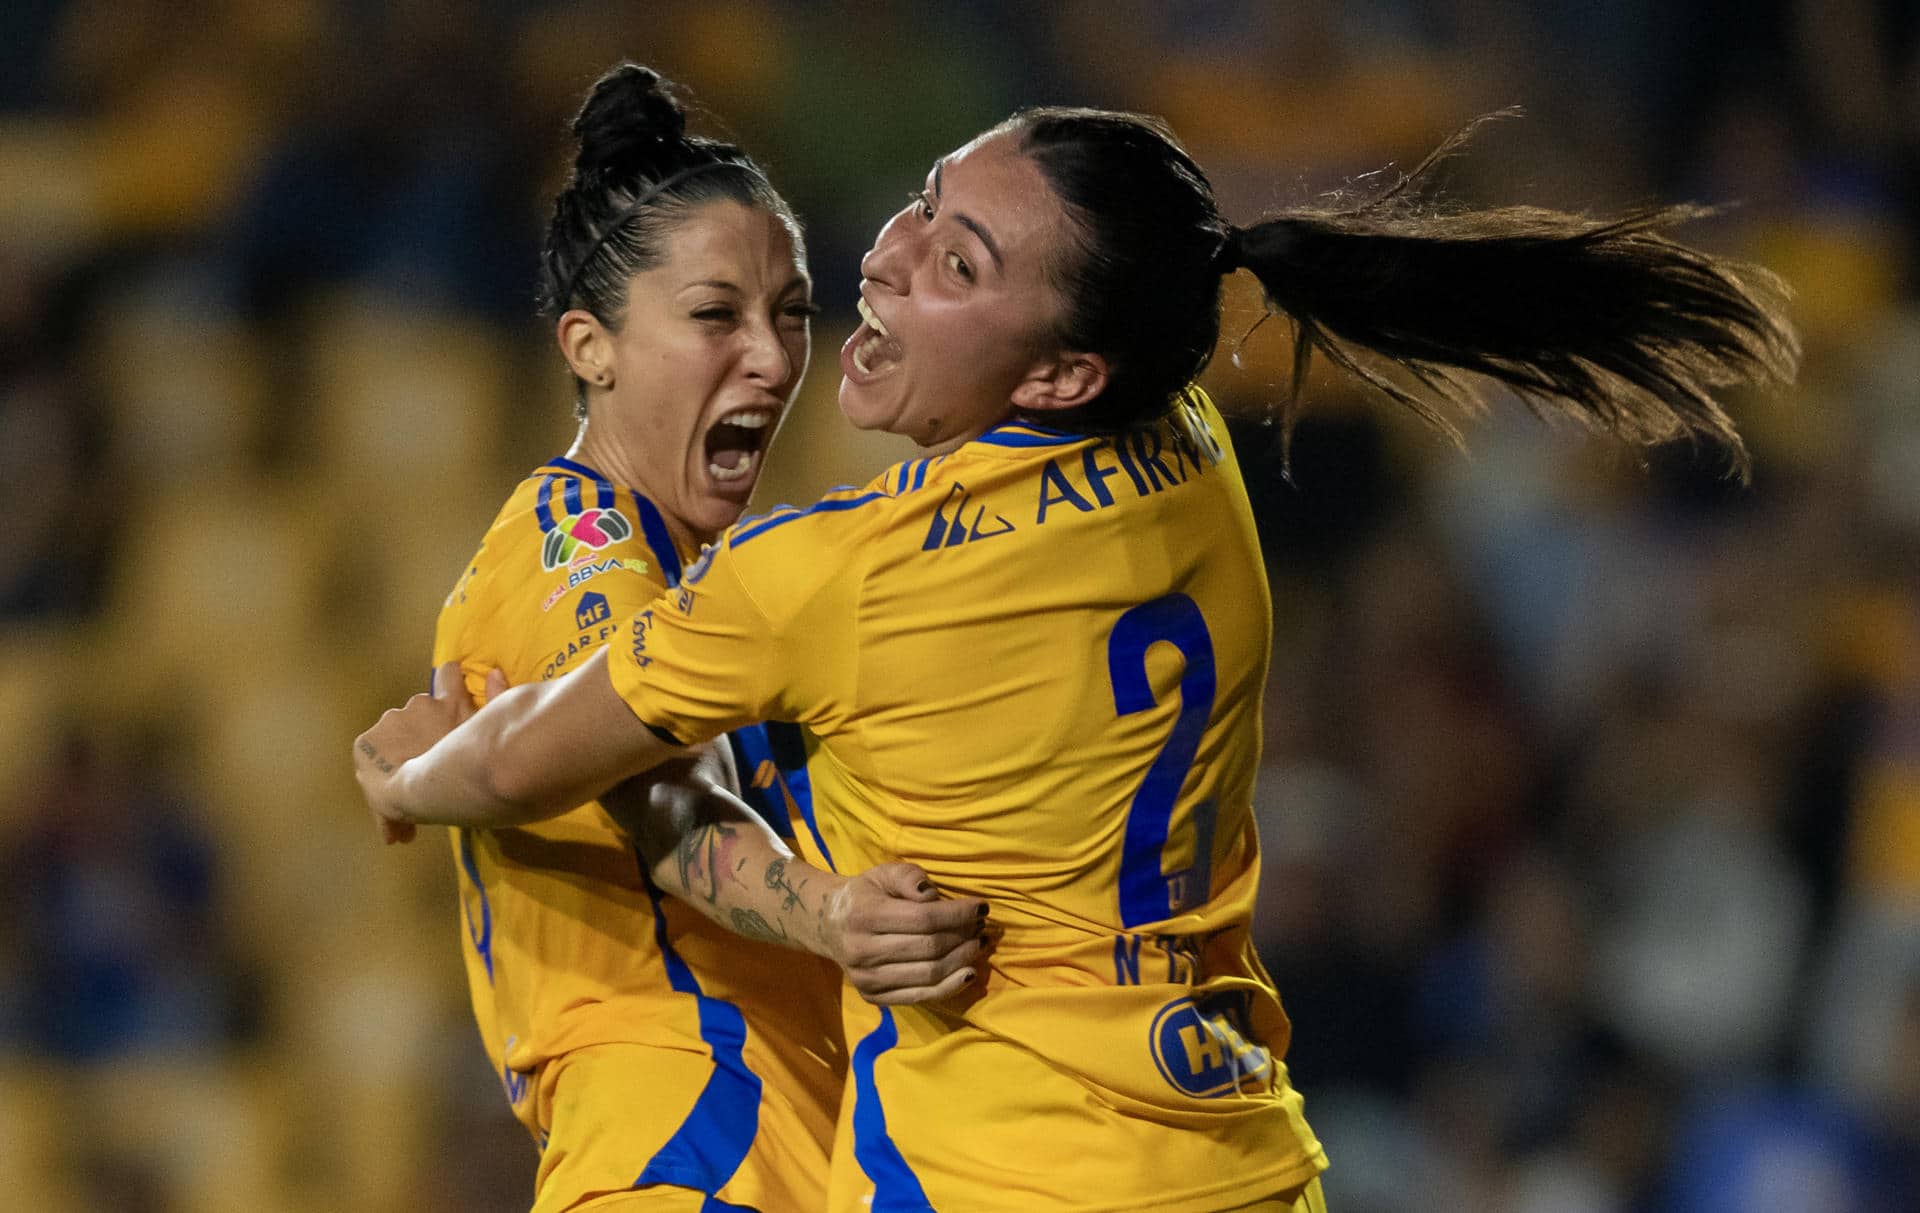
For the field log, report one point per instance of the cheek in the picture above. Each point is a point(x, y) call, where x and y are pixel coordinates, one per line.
point(799, 352)
point(986, 360)
point(684, 384)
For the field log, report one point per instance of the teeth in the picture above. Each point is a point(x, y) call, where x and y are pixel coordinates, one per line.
point(860, 358)
point(873, 321)
point(744, 470)
point(753, 419)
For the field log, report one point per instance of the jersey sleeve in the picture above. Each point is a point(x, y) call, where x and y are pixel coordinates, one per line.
point(761, 628)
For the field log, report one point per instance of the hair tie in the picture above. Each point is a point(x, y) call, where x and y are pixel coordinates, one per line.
point(646, 196)
point(1228, 257)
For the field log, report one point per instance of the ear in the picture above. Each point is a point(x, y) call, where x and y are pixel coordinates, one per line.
point(587, 346)
point(1065, 381)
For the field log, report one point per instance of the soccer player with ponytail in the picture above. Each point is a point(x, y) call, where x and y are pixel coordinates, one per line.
point(1031, 660)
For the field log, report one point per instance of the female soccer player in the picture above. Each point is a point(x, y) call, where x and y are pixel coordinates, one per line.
point(661, 1063)
point(1032, 660)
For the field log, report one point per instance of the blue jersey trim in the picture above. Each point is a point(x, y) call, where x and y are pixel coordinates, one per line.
point(574, 466)
point(570, 492)
point(742, 534)
point(751, 748)
point(800, 783)
point(654, 527)
point(1023, 434)
point(896, 1189)
point(482, 935)
point(913, 475)
point(714, 1139)
point(543, 504)
point(758, 743)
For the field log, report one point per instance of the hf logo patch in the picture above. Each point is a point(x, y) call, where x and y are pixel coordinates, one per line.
point(591, 610)
point(588, 531)
point(1204, 1048)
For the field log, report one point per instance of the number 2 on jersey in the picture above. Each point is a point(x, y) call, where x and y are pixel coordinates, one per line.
point(1147, 892)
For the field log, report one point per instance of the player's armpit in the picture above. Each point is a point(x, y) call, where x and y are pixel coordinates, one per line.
point(888, 928)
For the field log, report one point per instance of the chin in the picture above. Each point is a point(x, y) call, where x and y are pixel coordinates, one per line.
point(860, 409)
point(711, 515)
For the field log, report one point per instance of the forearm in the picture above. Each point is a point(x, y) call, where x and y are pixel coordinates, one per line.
point(455, 782)
point(534, 752)
point(707, 848)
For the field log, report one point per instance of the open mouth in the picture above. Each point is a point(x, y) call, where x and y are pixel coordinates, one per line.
point(736, 443)
point(873, 350)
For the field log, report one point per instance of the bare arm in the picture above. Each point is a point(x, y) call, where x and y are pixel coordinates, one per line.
point(537, 751)
point(888, 928)
point(540, 750)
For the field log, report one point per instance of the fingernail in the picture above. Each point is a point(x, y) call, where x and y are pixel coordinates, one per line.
point(926, 886)
point(983, 910)
point(968, 979)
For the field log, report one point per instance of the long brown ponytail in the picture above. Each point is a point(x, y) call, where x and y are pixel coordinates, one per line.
point(1608, 321)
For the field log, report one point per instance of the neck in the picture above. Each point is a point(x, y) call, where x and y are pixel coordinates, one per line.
point(608, 459)
point(948, 445)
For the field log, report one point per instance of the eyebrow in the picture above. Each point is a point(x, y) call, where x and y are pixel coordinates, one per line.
point(721, 284)
point(968, 222)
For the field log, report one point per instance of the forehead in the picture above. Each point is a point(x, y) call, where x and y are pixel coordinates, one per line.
point(994, 183)
point(730, 239)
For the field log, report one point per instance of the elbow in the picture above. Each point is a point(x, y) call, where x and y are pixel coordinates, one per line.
point(515, 787)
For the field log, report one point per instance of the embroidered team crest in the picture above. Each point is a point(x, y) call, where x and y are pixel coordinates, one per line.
point(585, 532)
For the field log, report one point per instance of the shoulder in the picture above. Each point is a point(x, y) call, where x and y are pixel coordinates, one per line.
point(843, 518)
point(793, 555)
point(564, 527)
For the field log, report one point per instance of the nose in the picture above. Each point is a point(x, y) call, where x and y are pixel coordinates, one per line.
point(890, 261)
point(766, 361)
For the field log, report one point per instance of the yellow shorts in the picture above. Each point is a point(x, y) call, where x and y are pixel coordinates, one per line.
point(1304, 1200)
point(967, 1123)
point(628, 1126)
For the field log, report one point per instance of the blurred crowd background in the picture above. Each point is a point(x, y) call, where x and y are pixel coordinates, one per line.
point(1591, 799)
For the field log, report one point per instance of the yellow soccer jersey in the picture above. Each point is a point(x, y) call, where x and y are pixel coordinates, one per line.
point(569, 945)
point(1034, 667)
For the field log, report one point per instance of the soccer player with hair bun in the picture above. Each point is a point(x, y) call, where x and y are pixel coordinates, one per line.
point(1031, 660)
point(660, 1061)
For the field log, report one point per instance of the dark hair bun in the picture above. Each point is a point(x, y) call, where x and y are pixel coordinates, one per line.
point(631, 121)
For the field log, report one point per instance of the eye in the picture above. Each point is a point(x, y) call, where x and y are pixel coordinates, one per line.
point(802, 311)
point(718, 313)
point(920, 204)
point(958, 265)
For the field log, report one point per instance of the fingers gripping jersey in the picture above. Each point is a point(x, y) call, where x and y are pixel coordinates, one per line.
point(572, 953)
point(1033, 666)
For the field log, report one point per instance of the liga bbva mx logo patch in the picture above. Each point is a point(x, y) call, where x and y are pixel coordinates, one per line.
point(588, 531)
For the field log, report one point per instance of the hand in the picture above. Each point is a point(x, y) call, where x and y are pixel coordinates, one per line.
point(899, 940)
point(407, 732)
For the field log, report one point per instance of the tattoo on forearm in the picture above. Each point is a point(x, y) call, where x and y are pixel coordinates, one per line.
point(777, 879)
point(694, 855)
point(753, 925)
point(704, 855)
point(373, 756)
